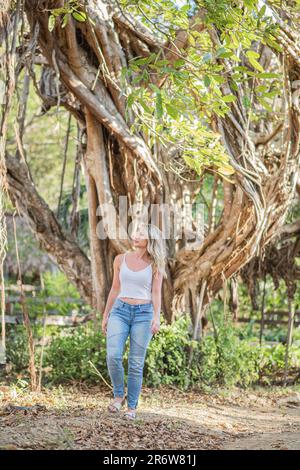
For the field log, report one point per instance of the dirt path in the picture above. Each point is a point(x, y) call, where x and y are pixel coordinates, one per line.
point(76, 418)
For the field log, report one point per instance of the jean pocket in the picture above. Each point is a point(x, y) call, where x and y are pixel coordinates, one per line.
point(147, 309)
point(112, 310)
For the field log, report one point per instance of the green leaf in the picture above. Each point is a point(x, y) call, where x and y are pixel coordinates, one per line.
point(255, 64)
point(236, 76)
point(226, 54)
point(134, 68)
point(79, 16)
point(172, 111)
point(265, 104)
point(191, 40)
point(145, 106)
point(240, 68)
point(162, 62)
point(271, 94)
point(179, 63)
point(268, 75)
point(137, 79)
point(159, 104)
point(226, 170)
point(131, 99)
point(65, 21)
point(262, 11)
point(252, 54)
point(246, 101)
point(229, 98)
point(234, 40)
point(144, 60)
point(154, 87)
point(234, 85)
point(193, 163)
point(59, 11)
point(218, 78)
point(206, 80)
point(51, 22)
point(221, 51)
point(261, 88)
point(272, 43)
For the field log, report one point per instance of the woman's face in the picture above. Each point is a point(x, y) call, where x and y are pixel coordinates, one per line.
point(140, 237)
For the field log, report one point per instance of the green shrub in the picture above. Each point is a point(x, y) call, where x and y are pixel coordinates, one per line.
point(168, 354)
point(273, 361)
point(229, 361)
point(16, 347)
point(226, 358)
point(68, 355)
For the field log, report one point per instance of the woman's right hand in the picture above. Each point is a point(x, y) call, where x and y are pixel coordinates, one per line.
point(104, 325)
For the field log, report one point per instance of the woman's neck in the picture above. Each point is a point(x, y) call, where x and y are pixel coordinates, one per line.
point(140, 252)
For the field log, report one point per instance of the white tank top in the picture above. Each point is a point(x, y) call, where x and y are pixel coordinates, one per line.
point(135, 284)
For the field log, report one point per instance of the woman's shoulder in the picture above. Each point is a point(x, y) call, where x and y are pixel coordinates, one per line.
point(118, 259)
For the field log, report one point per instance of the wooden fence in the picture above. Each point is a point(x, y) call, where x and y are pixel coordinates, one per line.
point(274, 317)
point(14, 312)
point(51, 316)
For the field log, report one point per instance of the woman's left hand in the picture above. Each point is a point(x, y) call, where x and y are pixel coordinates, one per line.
point(155, 325)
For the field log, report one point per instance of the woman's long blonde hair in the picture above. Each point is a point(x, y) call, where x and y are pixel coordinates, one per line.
point(156, 248)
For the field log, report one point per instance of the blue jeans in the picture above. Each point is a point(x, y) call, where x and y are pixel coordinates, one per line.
point(134, 320)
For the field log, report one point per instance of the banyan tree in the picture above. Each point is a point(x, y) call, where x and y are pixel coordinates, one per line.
point(175, 102)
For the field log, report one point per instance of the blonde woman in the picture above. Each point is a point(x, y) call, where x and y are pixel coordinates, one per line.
point(133, 308)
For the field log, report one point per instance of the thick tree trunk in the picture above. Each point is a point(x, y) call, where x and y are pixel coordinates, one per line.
point(255, 207)
point(118, 162)
point(112, 151)
point(61, 248)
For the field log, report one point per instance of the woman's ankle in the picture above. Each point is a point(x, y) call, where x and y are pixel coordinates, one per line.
point(119, 398)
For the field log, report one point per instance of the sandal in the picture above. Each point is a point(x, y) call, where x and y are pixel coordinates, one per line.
point(130, 414)
point(116, 405)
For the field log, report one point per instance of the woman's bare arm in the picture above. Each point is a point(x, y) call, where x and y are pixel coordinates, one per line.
point(115, 287)
point(156, 294)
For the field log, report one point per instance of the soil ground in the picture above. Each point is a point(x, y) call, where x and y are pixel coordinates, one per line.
point(75, 417)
